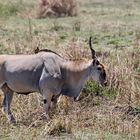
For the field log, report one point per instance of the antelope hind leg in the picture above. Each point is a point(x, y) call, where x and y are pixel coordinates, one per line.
point(8, 95)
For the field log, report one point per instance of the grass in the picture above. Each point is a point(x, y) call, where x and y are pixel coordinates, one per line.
point(102, 113)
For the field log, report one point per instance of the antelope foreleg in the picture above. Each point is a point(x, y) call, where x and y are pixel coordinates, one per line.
point(47, 103)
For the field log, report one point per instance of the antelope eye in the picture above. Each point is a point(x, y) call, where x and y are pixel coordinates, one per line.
point(95, 62)
point(99, 68)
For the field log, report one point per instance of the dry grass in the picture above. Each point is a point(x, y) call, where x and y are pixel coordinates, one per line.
point(119, 115)
point(59, 125)
point(124, 75)
point(78, 49)
point(75, 50)
point(58, 8)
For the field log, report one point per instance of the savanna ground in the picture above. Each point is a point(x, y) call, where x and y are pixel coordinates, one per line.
point(102, 113)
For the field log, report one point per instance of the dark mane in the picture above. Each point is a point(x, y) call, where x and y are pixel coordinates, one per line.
point(37, 50)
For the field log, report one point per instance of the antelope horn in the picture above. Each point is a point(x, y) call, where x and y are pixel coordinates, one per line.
point(91, 48)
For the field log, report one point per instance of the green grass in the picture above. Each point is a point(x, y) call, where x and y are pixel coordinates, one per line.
point(10, 9)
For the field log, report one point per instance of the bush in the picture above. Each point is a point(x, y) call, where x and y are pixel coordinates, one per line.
point(57, 8)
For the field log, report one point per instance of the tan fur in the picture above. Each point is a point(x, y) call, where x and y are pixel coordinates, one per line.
point(77, 65)
point(75, 70)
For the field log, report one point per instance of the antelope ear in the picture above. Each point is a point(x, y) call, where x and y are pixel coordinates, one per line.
point(91, 48)
point(36, 50)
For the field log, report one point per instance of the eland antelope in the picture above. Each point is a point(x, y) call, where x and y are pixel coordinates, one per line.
point(47, 73)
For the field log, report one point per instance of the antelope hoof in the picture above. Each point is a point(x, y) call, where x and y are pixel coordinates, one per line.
point(46, 117)
point(76, 99)
point(12, 119)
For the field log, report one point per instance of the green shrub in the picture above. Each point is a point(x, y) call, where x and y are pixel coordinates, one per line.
point(93, 89)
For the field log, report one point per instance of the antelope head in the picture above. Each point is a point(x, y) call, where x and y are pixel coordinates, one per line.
point(98, 72)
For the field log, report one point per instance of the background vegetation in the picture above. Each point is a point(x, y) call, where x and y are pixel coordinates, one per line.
point(102, 113)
